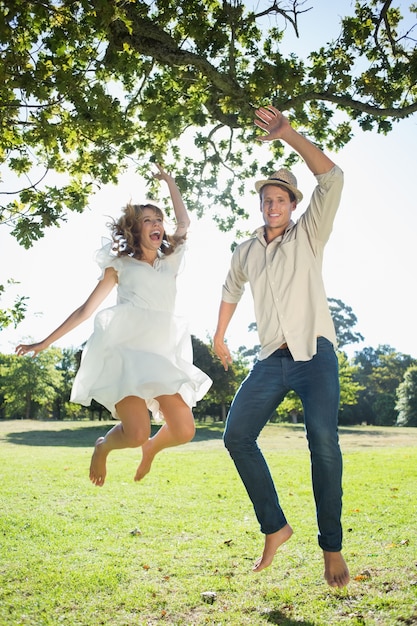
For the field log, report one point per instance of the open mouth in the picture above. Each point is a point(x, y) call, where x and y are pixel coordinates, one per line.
point(155, 235)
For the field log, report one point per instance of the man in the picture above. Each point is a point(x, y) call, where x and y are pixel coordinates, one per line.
point(282, 263)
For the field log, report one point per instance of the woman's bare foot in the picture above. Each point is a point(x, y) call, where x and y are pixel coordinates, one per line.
point(98, 463)
point(272, 543)
point(146, 462)
point(336, 571)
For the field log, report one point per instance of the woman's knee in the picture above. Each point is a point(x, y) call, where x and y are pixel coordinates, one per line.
point(178, 417)
point(137, 434)
point(135, 422)
point(187, 431)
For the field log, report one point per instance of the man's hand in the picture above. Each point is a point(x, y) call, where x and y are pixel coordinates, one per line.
point(272, 121)
point(278, 127)
point(222, 352)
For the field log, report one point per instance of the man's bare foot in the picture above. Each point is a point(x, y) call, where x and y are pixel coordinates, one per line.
point(146, 462)
point(98, 464)
point(336, 571)
point(272, 543)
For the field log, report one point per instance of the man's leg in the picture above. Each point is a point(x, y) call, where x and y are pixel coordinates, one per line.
point(317, 383)
point(253, 405)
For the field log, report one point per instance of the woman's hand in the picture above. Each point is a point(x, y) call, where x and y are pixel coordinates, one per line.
point(161, 174)
point(34, 348)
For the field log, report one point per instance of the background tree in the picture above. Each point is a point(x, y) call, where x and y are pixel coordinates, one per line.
point(252, 353)
point(220, 395)
point(87, 88)
point(407, 398)
point(379, 373)
point(68, 367)
point(16, 312)
point(344, 321)
point(350, 388)
point(290, 409)
point(30, 385)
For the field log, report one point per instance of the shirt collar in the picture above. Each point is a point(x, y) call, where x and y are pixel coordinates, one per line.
point(259, 233)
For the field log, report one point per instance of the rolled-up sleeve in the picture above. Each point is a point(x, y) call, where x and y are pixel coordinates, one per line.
point(319, 217)
point(234, 285)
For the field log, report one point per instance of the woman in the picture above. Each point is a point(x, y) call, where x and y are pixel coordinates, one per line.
point(139, 357)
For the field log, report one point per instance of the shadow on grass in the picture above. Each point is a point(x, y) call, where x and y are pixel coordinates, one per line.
point(57, 433)
point(277, 617)
point(85, 436)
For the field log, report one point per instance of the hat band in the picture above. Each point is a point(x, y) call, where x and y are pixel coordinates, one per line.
point(281, 180)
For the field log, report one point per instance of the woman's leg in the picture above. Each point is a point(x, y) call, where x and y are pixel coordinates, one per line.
point(178, 428)
point(131, 432)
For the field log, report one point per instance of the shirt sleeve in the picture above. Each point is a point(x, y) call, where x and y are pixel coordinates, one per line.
point(234, 285)
point(319, 216)
point(176, 259)
point(105, 258)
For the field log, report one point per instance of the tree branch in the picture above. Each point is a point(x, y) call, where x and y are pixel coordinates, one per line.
point(149, 40)
point(275, 8)
point(30, 186)
point(349, 103)
point(383, 19)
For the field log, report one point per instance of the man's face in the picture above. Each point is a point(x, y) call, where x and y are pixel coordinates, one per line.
point(276, 208)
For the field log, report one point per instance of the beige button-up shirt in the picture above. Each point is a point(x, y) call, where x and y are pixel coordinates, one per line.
point(285, 276)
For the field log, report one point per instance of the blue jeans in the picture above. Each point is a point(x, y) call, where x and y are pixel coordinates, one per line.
point(317, 384)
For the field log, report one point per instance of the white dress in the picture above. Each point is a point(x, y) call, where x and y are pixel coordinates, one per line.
point(139, 347)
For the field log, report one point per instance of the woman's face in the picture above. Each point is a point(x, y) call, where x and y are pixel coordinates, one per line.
point(152, 229)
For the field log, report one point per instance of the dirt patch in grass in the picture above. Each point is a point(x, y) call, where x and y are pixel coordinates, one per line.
point(351, 438)
point(379, 437)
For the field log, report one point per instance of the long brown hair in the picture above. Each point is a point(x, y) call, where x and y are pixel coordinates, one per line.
point(127, 229)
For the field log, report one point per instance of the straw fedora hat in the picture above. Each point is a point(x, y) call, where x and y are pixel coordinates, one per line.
point(283, 178)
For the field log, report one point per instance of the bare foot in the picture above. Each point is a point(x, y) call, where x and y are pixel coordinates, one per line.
point(146, 462)
point(272, 543)
point(98, 464)
point(336, 571)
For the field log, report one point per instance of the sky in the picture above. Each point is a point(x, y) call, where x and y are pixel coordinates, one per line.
point(369, 262)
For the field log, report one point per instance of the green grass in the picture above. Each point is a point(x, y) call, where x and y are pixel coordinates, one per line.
point(143, 554)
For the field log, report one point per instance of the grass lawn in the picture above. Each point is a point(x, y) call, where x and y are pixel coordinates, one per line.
point(145, 554)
